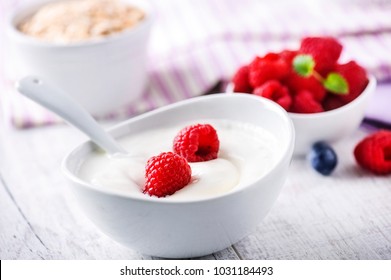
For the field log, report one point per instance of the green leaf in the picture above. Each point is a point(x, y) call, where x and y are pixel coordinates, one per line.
point(303, 65)
point(337, 84)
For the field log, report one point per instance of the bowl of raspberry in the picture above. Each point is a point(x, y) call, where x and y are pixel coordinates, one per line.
point(198, 177)
point(325, 98)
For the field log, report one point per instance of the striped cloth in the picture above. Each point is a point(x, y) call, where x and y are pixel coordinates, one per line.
point(195, 44)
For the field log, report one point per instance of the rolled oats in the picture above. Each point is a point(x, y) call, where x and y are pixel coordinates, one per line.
point(75, 21)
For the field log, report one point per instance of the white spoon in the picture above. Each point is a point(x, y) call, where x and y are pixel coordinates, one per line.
point(56, 100)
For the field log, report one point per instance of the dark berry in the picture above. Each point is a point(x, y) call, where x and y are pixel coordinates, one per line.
point(323, 158)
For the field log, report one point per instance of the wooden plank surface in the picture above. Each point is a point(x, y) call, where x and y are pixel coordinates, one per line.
point(344, 216)
point(32, 174)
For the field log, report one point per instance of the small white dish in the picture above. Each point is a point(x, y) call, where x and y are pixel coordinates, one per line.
point(333, 125)
point(329, 126)
point(103, 75)
point(183, 229)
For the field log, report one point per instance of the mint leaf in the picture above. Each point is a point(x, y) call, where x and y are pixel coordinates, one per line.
point(337, 84)
point(303, 65)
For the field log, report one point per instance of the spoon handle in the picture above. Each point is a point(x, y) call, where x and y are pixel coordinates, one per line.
point(56, 100)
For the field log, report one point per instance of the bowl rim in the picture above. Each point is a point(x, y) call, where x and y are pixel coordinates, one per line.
point(13, 32)
point(368, 90)
point(287, 153)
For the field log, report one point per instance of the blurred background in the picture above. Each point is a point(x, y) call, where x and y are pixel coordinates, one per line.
point(197, 45)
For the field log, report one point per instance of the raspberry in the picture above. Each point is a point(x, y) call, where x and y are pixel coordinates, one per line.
point(374, 152)
point(269, 67)
point(304, 102)
point(356, 77)
point(197, 142)
point(165, 174)
point(273, 90)
point(324, 50)
point(288, 56)
point(298, 83)
point(332, 102)
point(241, 80)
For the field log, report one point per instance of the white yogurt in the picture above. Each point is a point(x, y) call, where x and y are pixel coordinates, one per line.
point(247, 152)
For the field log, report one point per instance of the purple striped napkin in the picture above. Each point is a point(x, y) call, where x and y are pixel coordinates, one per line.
point(195, 44)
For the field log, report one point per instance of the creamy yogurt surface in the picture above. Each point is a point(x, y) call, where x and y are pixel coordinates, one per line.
point(247, 152)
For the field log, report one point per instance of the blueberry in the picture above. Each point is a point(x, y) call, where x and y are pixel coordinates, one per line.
point(323, 158)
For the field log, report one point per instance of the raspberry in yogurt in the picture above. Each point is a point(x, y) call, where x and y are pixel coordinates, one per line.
point(246, 153)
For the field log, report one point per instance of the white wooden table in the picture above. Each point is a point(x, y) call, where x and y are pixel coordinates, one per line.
point(344, 216)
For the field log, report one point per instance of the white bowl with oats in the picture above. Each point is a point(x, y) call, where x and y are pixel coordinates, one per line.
point(95, 50)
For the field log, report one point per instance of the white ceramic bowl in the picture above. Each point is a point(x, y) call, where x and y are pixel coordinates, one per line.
point(329, 126)
point(181, 229)
point(333, 125)
point(102, 75)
